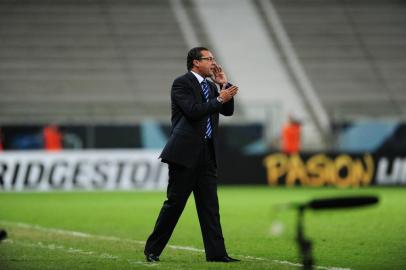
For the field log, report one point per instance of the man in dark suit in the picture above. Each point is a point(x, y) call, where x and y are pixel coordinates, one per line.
point(191, 154)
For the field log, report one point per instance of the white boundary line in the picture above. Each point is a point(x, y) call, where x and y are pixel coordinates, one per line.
point(65, 249)
point(113, 238)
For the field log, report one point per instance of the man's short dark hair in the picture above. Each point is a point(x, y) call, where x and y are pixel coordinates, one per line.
point(194, 54)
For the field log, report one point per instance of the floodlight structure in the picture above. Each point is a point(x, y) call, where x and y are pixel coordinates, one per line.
point(305, 245)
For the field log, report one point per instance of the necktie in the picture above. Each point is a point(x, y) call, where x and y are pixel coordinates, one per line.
point(205, 88)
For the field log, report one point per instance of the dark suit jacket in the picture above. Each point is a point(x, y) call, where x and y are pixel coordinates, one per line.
point(189, 118)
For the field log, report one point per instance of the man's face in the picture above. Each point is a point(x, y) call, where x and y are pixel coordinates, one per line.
point(206, 64)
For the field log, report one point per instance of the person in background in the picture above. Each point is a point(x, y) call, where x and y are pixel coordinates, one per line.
point(52, 138)
point(291, 136)
point(1, 141)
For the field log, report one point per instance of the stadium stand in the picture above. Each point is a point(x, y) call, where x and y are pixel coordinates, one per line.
point(89, 62)
point(73, 61)
point(354, 53)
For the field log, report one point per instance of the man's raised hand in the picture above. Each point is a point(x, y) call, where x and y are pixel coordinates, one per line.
point(219, 76)
point(227, 94)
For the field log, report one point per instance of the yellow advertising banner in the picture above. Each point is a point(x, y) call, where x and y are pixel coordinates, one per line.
point(319, 170)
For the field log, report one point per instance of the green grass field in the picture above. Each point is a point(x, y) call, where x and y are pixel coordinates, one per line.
point(44, 230)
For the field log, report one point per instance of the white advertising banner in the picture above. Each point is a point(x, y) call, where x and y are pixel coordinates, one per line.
point(82, 170)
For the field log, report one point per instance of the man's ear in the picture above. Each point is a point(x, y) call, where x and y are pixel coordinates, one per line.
point(196, 63)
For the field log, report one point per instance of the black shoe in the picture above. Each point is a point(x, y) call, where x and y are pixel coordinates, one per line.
point(226, 259)
point(151, 257)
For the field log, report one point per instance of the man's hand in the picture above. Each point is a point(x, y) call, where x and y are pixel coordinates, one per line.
point(229, 93)
point(219, 76)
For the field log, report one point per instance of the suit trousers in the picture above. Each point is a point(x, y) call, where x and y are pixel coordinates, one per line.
point(202, 181)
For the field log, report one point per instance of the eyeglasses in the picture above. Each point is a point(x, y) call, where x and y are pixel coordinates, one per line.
point(211, 59)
